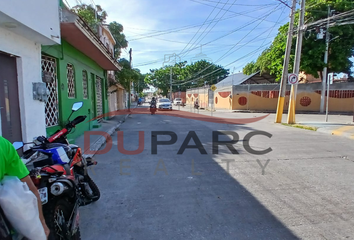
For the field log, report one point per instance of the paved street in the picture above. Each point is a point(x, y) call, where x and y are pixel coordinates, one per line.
point(304, 192)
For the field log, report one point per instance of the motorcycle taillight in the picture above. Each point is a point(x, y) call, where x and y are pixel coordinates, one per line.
point(36, 181)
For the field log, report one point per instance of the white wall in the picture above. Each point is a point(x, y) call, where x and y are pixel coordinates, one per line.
point(106, 39)
point(42, 16)
point(29, 70)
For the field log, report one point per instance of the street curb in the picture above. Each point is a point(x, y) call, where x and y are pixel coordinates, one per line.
point(333, 132)
point(349, 135)
point(94, 147)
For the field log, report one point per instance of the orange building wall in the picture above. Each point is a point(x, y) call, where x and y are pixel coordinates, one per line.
point(222, 101)
point(255, 102)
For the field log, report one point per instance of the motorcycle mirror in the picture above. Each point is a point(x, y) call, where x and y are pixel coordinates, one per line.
point(77, 106)
point(17, 145)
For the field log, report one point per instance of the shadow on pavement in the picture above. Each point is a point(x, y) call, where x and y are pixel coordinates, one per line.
point(171, 196)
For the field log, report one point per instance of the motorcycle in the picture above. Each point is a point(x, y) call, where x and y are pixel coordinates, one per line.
point(153, 108)
point(59, 171)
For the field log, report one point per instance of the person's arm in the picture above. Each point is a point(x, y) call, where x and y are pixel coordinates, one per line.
point(15, 167)
point(33, 188)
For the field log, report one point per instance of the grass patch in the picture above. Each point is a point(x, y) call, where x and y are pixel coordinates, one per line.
point(301, 126)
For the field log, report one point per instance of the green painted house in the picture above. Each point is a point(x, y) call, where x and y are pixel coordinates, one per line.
point(76, 71)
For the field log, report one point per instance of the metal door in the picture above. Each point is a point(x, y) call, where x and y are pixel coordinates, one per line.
point(49, 69)
point(9, 102)
point(99, 101)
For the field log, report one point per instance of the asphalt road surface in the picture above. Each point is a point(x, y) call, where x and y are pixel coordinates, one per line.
point(302, 189)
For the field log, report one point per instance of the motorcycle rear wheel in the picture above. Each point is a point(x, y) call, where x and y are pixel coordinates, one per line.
point(57, 214)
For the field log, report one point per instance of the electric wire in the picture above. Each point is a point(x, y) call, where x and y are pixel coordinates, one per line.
point(193, 44)
point(240, 4)
point(248, 34)
point(200, 28)
point(222, 57)
point(174, 30)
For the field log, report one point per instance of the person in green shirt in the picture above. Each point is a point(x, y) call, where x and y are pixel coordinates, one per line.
point(12, 165)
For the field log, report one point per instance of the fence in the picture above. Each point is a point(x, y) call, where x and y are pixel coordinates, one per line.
point(265, 97)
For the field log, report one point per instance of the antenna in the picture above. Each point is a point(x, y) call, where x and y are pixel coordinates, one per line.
point(94, 5)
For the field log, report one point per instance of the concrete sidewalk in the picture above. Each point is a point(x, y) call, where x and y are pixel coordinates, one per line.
point(96, 141)
point(340, 125)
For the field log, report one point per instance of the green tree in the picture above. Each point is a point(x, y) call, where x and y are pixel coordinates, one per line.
point(127, 74)
point(205, 72)
point(89, 14)
point(313, 49)
point(140, 84)
point(185, 76)
point(117, 32)
point(95, 18)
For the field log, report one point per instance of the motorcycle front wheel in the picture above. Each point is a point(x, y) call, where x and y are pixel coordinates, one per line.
point(57, 215)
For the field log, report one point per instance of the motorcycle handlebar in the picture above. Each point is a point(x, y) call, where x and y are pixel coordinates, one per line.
point(78, 120)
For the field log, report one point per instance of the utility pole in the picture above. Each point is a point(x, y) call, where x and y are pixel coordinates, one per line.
point(324, 73)
point(293, 93)
point(284, 78)
point(171, 84)
point(130, 64)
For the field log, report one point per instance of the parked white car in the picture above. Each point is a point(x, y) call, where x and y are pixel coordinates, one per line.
point(177, 101)
point(164, 103)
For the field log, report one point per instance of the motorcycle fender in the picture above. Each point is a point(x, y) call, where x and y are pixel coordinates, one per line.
point(77, 158)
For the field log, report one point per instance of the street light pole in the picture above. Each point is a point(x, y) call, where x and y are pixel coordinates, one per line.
point(171, 84)
point(293, 93)
point(324, 73)
point(281, 98)
point(130, 64)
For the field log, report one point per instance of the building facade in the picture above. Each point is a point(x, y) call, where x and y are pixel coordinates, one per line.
point(76, 71)
point(23, 29)
point(116, 92)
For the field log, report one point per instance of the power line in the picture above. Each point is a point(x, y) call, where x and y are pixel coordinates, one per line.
point(238, 48)
point(239, 4)
point(229, 33)
point(332, 19)
point(284, 3)
point(200, 27)
point(246, 35)
point(247, 24)
point(242, 13)
point(215, 22)
point(251, 53)
point(174, 30)
point(217, 51)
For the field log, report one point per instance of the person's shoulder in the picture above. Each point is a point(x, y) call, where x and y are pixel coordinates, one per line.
point(4, 144)
point(4, 141)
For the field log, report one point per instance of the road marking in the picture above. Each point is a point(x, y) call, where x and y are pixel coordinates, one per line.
point(341, 130)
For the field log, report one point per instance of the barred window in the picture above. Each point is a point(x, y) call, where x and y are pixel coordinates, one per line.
point(70, 75)
point(84, 84)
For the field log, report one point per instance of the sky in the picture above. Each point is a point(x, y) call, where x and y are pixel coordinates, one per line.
point(229, 33)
